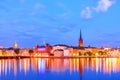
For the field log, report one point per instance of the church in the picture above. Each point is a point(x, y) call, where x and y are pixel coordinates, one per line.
point(80, 41)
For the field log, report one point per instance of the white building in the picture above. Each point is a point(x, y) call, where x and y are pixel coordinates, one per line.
point(60, 50)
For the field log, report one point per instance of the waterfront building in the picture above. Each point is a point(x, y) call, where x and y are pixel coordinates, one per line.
point(24, 51)
point(43, 50)
point(76, 51)
point(58, 53)
point(0, 52)
point(60, 50)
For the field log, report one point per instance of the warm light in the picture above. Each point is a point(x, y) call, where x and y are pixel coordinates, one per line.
point(96, 54)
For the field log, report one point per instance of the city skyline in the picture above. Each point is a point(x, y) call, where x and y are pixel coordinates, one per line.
point(58, 22)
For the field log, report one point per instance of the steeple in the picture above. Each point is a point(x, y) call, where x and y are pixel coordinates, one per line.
point(80, 42)
point(80, 35)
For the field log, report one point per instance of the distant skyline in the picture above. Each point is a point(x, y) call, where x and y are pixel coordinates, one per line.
point(59, 22)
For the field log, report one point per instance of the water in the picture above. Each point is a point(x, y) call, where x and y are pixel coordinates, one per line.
point(60, 69)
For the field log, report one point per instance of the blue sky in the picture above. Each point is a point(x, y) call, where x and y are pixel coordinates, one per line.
point(59, 21)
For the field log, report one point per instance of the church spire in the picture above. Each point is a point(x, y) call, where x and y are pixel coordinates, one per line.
point(80, 42)
point(80, 35)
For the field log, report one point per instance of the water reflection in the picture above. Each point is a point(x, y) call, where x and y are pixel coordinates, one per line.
point(44, 65)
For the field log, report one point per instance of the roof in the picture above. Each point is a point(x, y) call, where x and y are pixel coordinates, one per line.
point(61, 45)
point(82, 48)
point(59, 50)
point(41, 46)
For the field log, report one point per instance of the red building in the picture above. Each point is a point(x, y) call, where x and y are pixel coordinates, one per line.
point(43, 49)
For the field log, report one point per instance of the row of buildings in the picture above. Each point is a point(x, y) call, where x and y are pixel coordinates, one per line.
point(80, 50)
point(63, 50)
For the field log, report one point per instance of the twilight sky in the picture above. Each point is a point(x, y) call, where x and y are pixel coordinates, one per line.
point(59, 22)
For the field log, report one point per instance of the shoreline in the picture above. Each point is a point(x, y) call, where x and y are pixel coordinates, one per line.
point(63, 57)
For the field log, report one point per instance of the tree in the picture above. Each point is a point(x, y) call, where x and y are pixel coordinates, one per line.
point(88, 53)
point(101, 53)
point(31, 51)
point(80, 53)
point(16, 51)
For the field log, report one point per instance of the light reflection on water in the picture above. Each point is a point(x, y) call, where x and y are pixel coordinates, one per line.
point(18, 69)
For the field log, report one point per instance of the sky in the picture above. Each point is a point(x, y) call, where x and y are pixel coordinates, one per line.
point(31, 22)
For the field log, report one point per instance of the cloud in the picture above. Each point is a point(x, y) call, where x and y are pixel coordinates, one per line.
point(64, 28)
point(39, 6)
point(62, 16)
point(22, 1)
point(62, 5)
point(64, 11)
point(86, 13)
point(48, 17)
point(103, 6)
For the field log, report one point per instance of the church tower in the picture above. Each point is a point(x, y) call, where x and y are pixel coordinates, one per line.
point(80, 42)
point(15, 45)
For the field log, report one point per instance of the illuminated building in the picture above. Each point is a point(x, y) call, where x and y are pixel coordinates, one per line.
point(43, 49)
point(15, 45)
point(60, 50)
point(80, 42)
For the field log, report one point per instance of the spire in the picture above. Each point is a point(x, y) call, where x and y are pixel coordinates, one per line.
point(80, 35)
point(80, 41)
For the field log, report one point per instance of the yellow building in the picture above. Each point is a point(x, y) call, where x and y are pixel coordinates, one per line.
point(15, 45)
